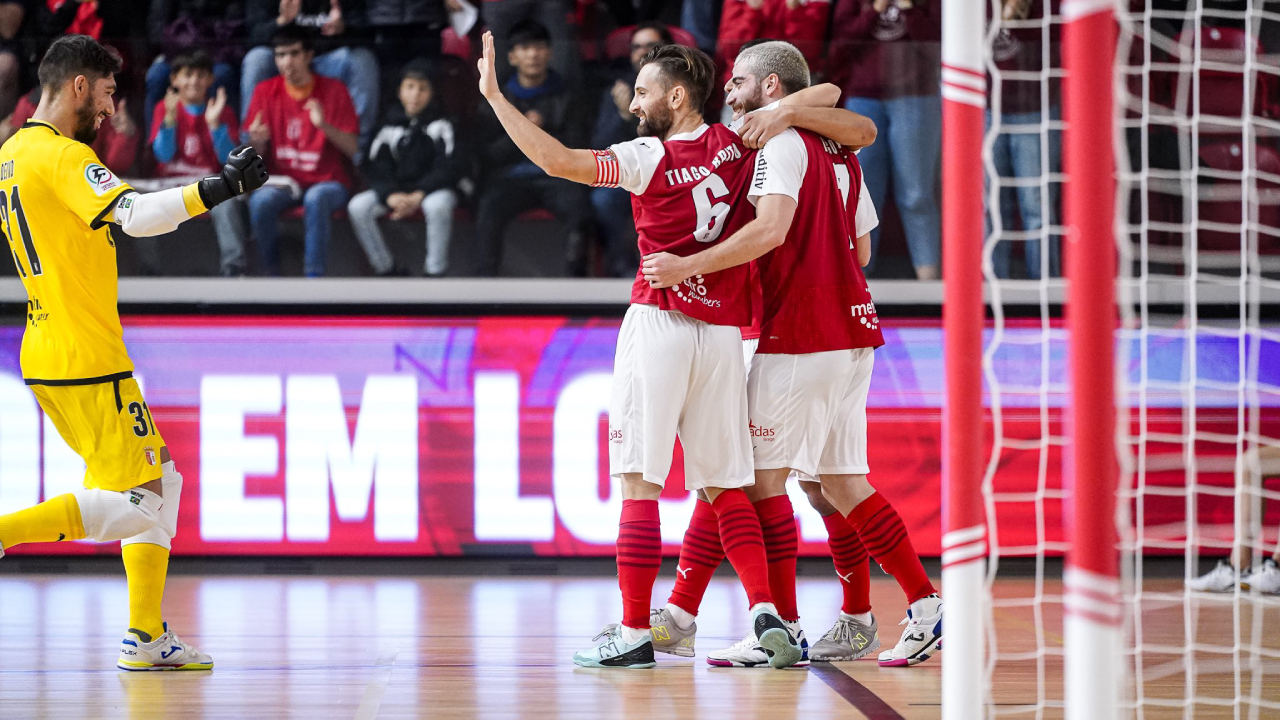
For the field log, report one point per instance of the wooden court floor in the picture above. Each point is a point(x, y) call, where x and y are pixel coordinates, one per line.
point(494, 647)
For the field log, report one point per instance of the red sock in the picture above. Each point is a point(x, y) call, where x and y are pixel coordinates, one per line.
point(781, 544)
point(743, 543)
point(639, 557)
point(850, 558)
point(700, 555)
point(886, 539)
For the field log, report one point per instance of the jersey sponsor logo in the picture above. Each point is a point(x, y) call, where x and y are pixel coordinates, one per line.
point(762, 171)
point(695, 288)
point(100, 179)
point(759, 431)
point(615, 435)
point(866, 314)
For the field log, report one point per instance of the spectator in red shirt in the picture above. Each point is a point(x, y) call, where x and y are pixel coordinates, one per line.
point(192, 136)
point(802, 23)
point(305, 126)
point(889, 56)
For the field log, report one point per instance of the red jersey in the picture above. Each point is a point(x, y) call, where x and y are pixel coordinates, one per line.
point(686, 195)
point(815, 295)
point(299, 149)
point(195, 154)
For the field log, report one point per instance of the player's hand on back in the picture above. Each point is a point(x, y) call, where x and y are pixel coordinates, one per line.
point(487, 64)
point(664, 270)
point(762, 126)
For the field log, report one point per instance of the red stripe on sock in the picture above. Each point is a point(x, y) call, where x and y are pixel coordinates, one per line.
point(886, 539)
point(639, 557)
point(700, 555)
point(781, 542)
point(743, 543)
point(850, 559)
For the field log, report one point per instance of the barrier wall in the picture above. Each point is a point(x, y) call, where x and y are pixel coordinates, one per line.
point(488, 435)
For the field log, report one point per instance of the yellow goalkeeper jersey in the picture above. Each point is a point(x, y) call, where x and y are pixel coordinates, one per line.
point(56, 199)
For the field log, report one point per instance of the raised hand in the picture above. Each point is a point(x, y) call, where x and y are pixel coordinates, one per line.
point(316, 112)
point(120, 120)
point(171, 106)
point(334, 25)
point(213, 111)
point(259, 132)
point(289, 10)
point(487, 64)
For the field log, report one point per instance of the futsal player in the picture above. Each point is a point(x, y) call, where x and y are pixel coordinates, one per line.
point(810, 376)
point(678, 367)
point(58, 204)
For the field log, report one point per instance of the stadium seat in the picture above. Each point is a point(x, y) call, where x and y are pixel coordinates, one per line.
point(1220, 202)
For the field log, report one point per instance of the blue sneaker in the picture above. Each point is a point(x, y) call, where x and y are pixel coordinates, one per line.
point(614, 652)
point(921, 639)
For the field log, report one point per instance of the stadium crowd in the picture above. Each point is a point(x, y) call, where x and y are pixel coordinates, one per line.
point(368, 114)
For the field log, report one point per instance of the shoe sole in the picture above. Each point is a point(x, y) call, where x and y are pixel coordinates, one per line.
point(781, 649)
point(593, 664)
point(677, 651)
point(733, 663)
point(857, 655)
point(921, 655)
point(148, 667)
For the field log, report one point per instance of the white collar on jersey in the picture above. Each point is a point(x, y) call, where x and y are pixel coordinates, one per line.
point(693, 135)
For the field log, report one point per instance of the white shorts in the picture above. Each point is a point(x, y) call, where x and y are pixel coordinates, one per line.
point(749, 351)
point(673, 375)
point(809, 412)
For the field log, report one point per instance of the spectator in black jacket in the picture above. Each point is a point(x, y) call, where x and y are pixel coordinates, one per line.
point(616, 124)
point(412, 164)
point(330, 22)
point(514, 184)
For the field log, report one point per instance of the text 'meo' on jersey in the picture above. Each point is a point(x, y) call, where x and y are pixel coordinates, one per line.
point(56, 198)
point(686, 196)
point(816, 298)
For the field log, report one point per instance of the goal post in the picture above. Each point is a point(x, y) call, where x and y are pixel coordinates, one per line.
point(1094, 652)
point(964, 522)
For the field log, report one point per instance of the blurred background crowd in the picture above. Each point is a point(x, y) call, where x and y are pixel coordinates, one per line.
point(385, 161)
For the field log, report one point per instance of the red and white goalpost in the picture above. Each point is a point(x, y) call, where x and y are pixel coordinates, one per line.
point(1093, 653)
point(1131, 430)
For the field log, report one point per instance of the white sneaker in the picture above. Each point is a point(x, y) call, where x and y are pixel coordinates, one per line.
point(748, 653)
point(1222, 578)
point(166, 652)
point(922, 637)
point(1265, 579)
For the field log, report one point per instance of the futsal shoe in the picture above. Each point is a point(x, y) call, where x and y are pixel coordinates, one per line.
point(668, 636)
point(848, 639)
point(748, 653)
point(1265, 579)
point(166, 652)
point(1222, 578)
point(615, 652)
point(922, 637)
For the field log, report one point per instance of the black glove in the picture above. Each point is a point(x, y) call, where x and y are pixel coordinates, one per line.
point(243, 172)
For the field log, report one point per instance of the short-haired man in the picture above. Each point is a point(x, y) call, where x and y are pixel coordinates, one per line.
point(306, 125)
point(57, 205)
point(192, 134)
point(810, 376)
point(679, 365)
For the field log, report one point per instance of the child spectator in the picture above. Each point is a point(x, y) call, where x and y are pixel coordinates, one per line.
point(215, 26)
point(305, 126)
point(192, 135)
point(514, 184)
point(504, 16)
point(412, 164)
point(325, 23)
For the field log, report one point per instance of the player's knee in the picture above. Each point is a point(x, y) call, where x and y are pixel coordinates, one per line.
point(108, 515)
point(152, 536)
point(813, 491)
